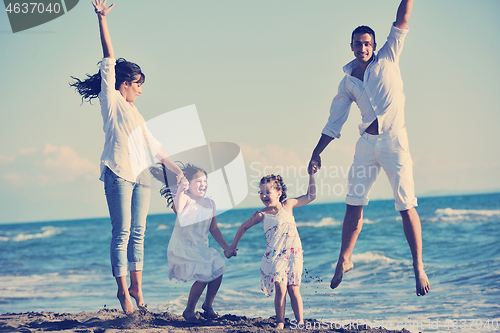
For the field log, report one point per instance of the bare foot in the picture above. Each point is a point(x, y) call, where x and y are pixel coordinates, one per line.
point(209, 312)
point(126, 303)
point(422, 281)
point(139, 299)
point(280, 326)
point(190, 316)
point(340, 270)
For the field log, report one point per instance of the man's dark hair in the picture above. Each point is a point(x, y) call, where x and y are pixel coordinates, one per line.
point(363, 29)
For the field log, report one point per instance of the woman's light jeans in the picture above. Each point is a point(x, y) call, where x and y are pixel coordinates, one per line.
point(128, 205)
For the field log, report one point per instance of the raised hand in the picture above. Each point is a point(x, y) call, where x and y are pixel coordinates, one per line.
point(101, 11)
point(100, 7)
point(183, 185)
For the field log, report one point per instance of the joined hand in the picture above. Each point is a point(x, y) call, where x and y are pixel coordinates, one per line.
point(230, 252)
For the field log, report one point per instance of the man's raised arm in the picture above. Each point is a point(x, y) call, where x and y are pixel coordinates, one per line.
point(403, 14)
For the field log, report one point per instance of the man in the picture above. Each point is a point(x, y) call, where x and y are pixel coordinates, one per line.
point(374, 83)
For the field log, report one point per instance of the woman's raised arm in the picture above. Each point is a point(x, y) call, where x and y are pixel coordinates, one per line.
point(101, 11)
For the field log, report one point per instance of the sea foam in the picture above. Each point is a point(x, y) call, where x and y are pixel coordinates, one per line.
point(45, 233)
point(461, 215)
point(325, 221)
point(373, 256)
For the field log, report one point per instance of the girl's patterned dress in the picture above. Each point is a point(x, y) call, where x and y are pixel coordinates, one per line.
point(283, 259)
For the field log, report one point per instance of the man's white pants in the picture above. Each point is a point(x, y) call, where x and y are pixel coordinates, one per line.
point(391, 152)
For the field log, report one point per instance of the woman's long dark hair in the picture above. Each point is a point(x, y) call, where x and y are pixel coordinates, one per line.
point(169, 179)
point(125, 71)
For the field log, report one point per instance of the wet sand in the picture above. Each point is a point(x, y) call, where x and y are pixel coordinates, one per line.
point(114, 321)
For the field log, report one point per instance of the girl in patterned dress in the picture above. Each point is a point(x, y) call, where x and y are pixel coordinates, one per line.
point(281, 266)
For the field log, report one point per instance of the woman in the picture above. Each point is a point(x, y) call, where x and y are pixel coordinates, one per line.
point(117, 85)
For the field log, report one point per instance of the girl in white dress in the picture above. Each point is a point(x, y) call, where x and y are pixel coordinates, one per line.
point(282, 262)
point(189, 256)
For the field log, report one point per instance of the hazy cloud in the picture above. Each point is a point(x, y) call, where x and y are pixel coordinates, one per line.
point(48, 165)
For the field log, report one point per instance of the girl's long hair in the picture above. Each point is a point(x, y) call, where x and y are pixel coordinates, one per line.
point(90, 87)
point(169, 179)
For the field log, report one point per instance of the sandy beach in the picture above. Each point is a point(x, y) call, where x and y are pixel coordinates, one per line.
point(114, 321)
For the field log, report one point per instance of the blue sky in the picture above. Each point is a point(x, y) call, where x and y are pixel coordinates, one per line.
point(262, 75)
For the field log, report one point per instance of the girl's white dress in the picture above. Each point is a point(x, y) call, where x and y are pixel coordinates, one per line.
point(282, 262)
point(189, 256)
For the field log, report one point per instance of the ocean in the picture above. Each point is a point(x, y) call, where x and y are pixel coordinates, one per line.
point(63, 266)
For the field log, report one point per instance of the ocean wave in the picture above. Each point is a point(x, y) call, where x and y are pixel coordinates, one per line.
point(370, 257)
point(256, 303)
point(49, 285)
point(163, 227)
point(45, 233)
point(176, 305)
point(227, 225)
point(460, 215)
point(367, 221)
point(325, 221)
point(239, 293)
